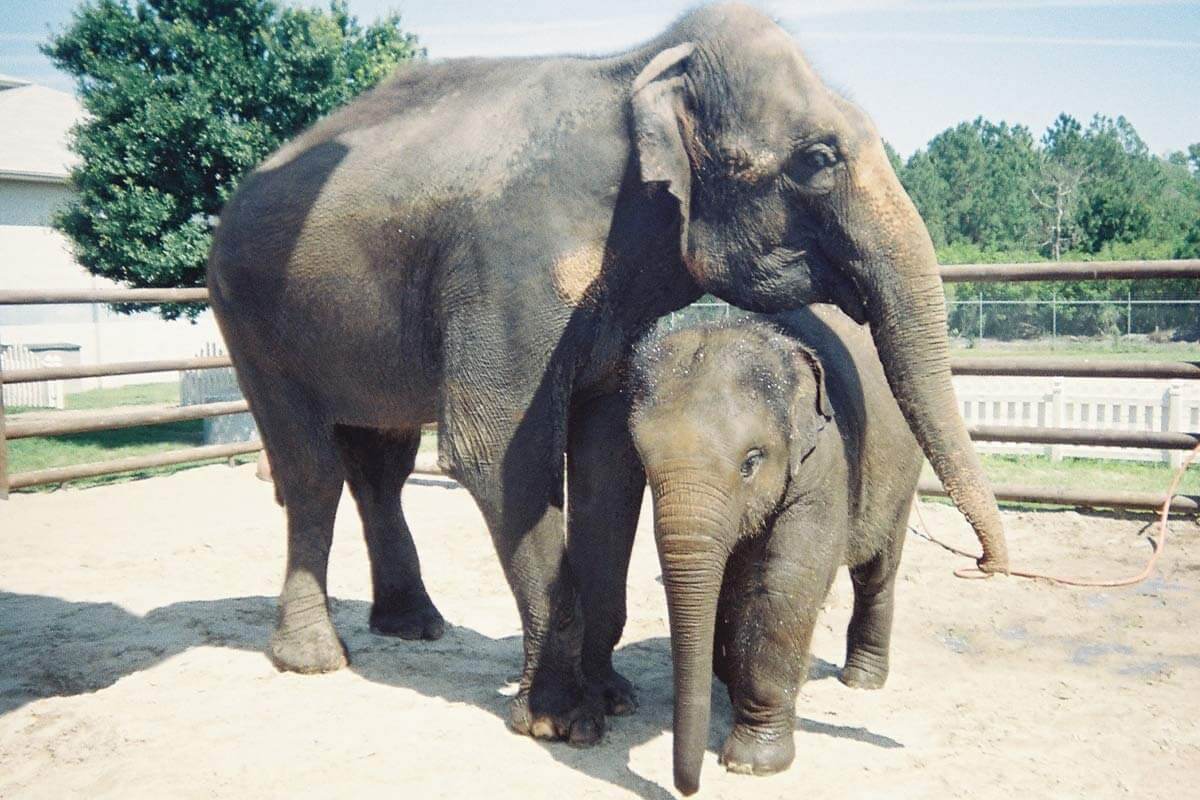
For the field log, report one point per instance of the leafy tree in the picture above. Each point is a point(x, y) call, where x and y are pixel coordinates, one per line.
point(1095, 193)
point(1190, 246)
point(973, 184)
point(893, 157)
point(1061, 172)
point(1115, 205)
point(183, 97)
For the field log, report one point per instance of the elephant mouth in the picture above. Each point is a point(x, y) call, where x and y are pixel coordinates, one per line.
point(802, 273)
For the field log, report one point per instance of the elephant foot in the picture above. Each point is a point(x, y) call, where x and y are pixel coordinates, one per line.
point(747, 753)
point(308, 649)
point(558, 713)
point(864, 671)
point(413, 620)
point(616, 692)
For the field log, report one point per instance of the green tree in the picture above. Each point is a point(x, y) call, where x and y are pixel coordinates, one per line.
point(1190, 246)
point(185, 96)
point(1061, 173)
point(1122, 180)
point(973, 184)
point(1193, 157)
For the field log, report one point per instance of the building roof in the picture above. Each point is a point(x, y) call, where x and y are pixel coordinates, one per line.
point(33, 140)
point(9, 82)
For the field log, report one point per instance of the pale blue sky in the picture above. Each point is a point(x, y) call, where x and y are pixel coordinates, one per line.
point(917, 66)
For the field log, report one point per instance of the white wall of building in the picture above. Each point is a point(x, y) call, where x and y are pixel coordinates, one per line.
point(34, 257)
point(30, 202)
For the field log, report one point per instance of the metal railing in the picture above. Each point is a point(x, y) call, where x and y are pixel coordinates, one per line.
point(1093, 368)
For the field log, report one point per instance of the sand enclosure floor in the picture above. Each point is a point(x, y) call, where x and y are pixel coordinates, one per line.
point(133, 619)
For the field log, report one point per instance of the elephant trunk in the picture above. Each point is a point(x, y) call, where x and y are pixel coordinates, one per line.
point(899, 277)
point(693, 555)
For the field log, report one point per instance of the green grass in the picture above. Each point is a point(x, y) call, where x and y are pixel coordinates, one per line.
point(58, 451)
point(26, 455)
point(1086, 473)
point(136, 395)
point(82, 448)
point(1132, 351)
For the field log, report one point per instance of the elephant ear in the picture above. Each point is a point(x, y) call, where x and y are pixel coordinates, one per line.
point(658, 111)
point(810, 413)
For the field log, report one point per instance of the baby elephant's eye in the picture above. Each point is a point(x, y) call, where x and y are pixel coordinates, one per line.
point(750, 465)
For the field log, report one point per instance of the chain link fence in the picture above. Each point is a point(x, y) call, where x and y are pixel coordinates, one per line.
point(981, 318)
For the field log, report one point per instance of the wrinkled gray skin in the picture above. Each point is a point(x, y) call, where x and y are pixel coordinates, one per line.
point(775, 453)
point(478, 243)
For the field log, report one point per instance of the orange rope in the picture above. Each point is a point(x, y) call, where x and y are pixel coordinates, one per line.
point(1160, 544)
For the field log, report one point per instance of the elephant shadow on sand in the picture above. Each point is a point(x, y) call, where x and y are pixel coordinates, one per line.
point(56, 648)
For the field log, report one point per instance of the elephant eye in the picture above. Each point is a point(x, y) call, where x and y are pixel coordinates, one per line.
point(750, 464)
point(819, 156)
point(809, 167)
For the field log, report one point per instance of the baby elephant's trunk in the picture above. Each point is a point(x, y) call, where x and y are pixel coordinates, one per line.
point(691, 539)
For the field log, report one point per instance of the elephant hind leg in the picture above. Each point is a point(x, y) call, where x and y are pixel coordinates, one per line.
point(377, 463)
point(308, 483)
point(868, 639)
point(605, 482)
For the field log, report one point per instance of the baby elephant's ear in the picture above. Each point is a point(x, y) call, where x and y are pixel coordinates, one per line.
point(811, 410)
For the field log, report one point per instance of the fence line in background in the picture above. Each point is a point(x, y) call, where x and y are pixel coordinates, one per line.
point(969, 317)
point(44, 394)
point(1054, 434)
point(42, 477)
point(1071, 271)
point(1121, 420)
point(72, 371)
point(112, 420)
point(203, 386)
point(44, 297)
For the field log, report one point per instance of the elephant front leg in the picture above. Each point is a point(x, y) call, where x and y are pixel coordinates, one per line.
point(868, 639)
point(605, 482)
point(764, 659)
point(516, 477)
point(765, 632)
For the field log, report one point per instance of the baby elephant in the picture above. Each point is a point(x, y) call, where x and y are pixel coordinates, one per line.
point(775, 452)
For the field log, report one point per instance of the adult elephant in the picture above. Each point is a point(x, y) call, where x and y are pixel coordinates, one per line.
point(478, 242)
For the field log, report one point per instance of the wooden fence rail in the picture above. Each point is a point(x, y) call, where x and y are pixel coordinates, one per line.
point(36, 374)
point(61, 425)
point(42, 477)
point(1071, 271)
point(1018, 366)
point(45, 297)
point(108, 420)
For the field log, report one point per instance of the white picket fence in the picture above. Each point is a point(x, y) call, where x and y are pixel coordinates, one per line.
point(208, 385)
point(45, 394)
point(1089, 403)
point(215, 386)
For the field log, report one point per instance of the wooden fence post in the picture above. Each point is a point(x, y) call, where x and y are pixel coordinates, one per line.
point(1174, 421)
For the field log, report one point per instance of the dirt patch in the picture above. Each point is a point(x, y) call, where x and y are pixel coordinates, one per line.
point(133, 619)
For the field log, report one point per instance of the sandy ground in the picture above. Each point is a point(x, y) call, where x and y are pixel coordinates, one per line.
point(133, 619)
